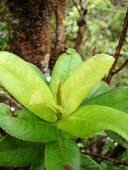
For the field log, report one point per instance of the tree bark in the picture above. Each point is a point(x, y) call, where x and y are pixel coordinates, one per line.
point(29, 24)
point(59, 46)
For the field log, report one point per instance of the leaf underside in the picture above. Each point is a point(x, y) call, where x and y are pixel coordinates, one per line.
point(17, 153)
point(27, 126)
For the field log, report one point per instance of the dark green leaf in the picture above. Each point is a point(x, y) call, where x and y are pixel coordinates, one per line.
point(62, 154)
point(27, 126)
point(116, 98)
point(53, 155)
point(117, 138)
point(71, 154)
point(106, 165)
point(16, 153)
point(38, 165)
point(89, 164)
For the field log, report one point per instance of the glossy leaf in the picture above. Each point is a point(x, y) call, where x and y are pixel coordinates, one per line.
point(27, 126)
point(16, 153)
point(22, 81)
point(80, 83)
point(64, 66)
point(88, 120)
point(116, 98)
point(89, 164)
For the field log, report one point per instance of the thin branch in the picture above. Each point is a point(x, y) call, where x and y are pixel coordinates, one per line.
point(114, 161)
point(118, 49)
point(75, 4)
point(59, 47)
point(11, 99)
point(121, 67)
point(81, 23)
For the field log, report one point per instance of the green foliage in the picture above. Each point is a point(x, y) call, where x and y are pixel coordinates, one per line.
point(25, 85)
point(100, 88)
point(62, 153)
point(15, 152)
point(22, 124)
point(68, 62)
point(53, 155)
point(38, 165)
point(79, 84)
point(88, 163)
point(115, 98)
point(55, 113)
point(3, 35)
point(82, 122)
point(104, 21)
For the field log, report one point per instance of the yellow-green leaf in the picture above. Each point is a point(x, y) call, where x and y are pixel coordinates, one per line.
point(64, 66)
point(82, 80)
point(22, 81)
point(88, 120)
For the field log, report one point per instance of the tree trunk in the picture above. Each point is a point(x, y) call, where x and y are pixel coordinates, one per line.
point(59, 46)
point(29, 24)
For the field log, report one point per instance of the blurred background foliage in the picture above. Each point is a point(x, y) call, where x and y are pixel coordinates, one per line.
point(3, 29)
point(104, 21)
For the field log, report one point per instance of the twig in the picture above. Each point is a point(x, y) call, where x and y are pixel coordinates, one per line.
point(116, 152)
point(118, 49)
point(114, 161)
point(11, 99)
point(75, 4)
point(121, 67)
point(81, 24)
point(59, 47)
